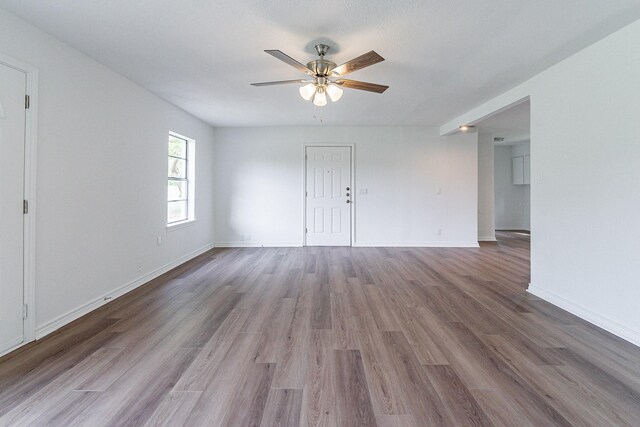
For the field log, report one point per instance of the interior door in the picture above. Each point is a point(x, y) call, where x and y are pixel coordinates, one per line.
point(12, 155)
point(328, 196)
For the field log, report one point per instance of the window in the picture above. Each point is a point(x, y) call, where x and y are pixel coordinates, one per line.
point(181, 180)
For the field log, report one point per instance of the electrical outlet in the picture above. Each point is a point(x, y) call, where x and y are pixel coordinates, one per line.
point(364, 191)
point(138, 266)
point(248, 237)
point(242, 239)
point(159, 240)
point(439, 232)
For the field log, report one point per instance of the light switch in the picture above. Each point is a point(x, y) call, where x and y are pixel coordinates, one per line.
point(364, 191)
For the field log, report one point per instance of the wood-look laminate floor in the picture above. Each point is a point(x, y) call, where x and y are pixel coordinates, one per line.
point(329, 336)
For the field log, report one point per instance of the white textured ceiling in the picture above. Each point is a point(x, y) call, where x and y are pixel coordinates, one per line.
point(442, 56)
point(514, 124)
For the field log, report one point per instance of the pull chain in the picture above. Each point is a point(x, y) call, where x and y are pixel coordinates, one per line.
point(316, 114)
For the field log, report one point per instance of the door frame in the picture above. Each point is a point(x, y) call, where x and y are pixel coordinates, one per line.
point(29, 224)
point(352, 207)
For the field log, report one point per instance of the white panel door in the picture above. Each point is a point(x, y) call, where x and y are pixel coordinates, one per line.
point(328, 193)
point(12, 140)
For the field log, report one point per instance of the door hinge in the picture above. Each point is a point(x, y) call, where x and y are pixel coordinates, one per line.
point(27, 102)
point(25, 207)
point(306, 194)
point(306, 230)
point(25, 311)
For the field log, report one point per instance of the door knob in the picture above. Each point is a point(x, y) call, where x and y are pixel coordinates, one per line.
point(347, 194)
point(347, 188)
point(348, 201)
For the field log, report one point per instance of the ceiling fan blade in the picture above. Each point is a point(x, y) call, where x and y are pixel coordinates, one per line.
point(289, 60)
point(355, 84)
point(358, 63)
point(281, 82)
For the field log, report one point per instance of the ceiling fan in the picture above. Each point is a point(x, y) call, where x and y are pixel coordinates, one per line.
point(325, 77)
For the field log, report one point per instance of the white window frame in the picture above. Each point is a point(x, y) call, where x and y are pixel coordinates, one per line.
point(190, 180)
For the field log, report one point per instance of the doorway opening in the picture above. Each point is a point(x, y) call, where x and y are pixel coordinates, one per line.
point(504, 175)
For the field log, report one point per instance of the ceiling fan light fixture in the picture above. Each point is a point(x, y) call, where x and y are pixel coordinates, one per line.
point(320, 100)
point(334, 92)
point(307, 91)
point(319, 82)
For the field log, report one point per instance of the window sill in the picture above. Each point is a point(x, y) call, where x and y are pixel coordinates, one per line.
point(182, 224)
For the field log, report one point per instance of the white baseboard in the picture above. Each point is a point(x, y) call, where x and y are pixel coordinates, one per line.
point(416, 244)
point(584, 313)
point(70, 316)
point(512, 228)
point(13, 345)
point(356, 244)
point(487, 239)
point(257, 244)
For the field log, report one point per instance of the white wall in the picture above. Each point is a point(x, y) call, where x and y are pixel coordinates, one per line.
point(486, 215)
point(259, 185)
point(512, 202)
point(522, 149)
point(101, 178)
point(585, 192)
point(585, 155)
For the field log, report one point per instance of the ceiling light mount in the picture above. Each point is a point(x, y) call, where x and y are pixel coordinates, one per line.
point(321, 49)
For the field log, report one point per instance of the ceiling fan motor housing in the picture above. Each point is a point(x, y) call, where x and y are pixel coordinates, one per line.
point(321, 67)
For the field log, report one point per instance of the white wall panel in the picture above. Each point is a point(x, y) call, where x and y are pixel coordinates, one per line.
point(486, 190)
point(585, 180)
point(101, 178)
point(512, 201)
point(401, 169)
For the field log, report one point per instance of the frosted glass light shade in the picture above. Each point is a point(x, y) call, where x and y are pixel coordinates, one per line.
point(320, 99)
point(307, 91)
point(335, 93)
